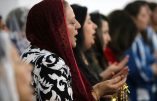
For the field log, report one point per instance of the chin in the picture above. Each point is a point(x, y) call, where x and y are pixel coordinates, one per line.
point(90, 46)
point(93, 42)
point(73, 45)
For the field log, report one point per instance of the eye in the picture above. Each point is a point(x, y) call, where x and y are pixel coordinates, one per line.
point(73, 22)
point(105, 32)
point(89, 21)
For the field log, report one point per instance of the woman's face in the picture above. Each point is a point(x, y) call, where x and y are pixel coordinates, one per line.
point(89, 31)
point(142, 19)
point(72, 25)
point(105, 33)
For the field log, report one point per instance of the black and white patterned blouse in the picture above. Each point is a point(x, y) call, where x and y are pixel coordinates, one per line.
point(51, 76)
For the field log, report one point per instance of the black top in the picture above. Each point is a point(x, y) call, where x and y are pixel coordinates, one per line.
point(87, 70)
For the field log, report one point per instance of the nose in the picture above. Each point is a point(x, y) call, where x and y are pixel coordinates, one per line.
point(109, 37)
point(95, 26)
point(78, 25)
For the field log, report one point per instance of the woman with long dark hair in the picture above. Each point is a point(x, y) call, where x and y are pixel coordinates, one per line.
point(122, 35)
point(102, 38)
point(85, 40)
point(141, 63)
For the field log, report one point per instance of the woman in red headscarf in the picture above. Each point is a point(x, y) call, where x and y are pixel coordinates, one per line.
point(56, 76)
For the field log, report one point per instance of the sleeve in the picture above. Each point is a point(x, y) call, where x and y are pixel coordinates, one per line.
point(52, 79)
point(139, 72)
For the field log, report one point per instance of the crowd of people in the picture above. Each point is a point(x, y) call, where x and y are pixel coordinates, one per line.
point(60, 52)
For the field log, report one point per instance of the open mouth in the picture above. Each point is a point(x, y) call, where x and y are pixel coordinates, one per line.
point(76, 33)
point(94, 32)
point(93, 36)
point(75, 39)
point(75, 36)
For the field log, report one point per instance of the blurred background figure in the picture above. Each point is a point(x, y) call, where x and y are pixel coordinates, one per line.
point(85, 39)
point(143, 68)
point(8, 88)
point(16, 23)
point(152, 28)
point(115, 51)
point(84, 53)
point(102, 38)
point(122, 35)
point(2, 24)
point(153, 16)
point(15, 76)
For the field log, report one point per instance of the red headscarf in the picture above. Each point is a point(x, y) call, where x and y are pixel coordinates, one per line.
point(46, 29)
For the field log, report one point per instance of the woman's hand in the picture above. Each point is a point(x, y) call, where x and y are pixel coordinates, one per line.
point(111, 86)
point(114, 69)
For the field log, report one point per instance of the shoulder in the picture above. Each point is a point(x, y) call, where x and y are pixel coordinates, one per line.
point(42, 56)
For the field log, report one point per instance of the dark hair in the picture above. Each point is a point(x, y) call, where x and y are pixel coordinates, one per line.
point(97, 18)
point(133, 9)
point(122, 31)
point(80, 14)
point(79, 50)
point(152, 6)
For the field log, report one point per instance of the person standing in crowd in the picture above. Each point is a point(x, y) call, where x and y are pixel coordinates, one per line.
point(55, 73)
point(115, 51)
point(152, 30)
point(85, 40)
point(102, 38)
point(15, 76)
point(8, 88)
point(16, 23)
point(141, 78)
point(115, 25)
